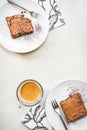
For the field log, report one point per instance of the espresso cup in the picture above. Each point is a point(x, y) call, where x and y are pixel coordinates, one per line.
point(29, 92)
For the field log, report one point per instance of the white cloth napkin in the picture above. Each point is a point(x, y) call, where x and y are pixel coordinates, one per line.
point(54, 15)
point(36, 119)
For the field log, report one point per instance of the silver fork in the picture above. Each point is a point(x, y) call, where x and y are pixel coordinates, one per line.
point(57, 110)
point(33, 14)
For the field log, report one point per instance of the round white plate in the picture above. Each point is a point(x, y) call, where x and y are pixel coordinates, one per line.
point(25, 43)
point(61, 92)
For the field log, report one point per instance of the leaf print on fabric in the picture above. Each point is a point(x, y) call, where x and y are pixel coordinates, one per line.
point(40, 128)
point(27, 118)
point(36, 112)
point(51, 8)
point(53, 20)
point(41, 3)
point(62, 20)
point(56, 10)
point(41, 0)
point(52, 2)
point(41, 116)
point(54, 7)
point(53, 14)
point(36, 119)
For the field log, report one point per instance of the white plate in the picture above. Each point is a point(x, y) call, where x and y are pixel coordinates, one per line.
point(61, 92)
point(26, 43)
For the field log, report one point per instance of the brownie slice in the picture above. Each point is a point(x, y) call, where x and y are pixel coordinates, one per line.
point(73, 107)
point(19, 25)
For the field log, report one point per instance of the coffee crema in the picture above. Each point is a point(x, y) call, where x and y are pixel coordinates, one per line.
point(30, 92)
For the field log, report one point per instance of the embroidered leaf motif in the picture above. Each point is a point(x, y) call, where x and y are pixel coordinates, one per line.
point(52, 2)
point(41, 116)
point(42, 0)
point(27, 118)
point(40, 128)
point(62, 21)
point(41, 3)
point(53, 20)
point(36, 112)
point(56, 10)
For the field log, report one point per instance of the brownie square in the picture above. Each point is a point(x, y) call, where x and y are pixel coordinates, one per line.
point(19, 25)
point(73, 107)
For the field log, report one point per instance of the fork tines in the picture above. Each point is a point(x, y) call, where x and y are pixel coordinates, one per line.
point(54, 104)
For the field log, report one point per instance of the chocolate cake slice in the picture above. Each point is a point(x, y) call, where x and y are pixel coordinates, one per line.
point(73, 107)
point(19, 25)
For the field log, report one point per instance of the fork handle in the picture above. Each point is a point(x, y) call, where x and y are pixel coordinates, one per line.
point(64, 124)
point(16, 4)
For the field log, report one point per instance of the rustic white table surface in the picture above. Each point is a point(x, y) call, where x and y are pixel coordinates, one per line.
point(62, 57)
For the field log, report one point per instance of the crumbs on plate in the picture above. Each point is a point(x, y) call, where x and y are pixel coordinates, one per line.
point(38, 31)
point(82, 90)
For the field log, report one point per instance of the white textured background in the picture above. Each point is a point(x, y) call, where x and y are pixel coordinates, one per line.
point(62, 57)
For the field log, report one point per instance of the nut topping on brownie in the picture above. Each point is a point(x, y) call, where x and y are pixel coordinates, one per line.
point(19, 25)
point(73, 107)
